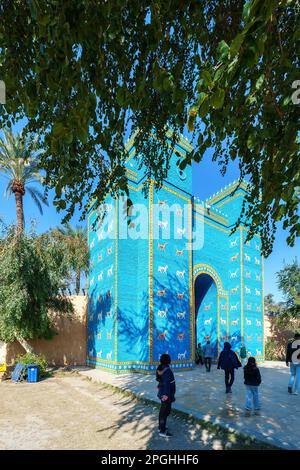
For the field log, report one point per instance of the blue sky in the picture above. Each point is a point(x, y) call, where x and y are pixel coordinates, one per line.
point(207, 180)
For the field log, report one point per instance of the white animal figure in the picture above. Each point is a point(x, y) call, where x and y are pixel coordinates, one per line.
point(163, 313)
point(162, 246)
point(223, 306)
point(248, 290)
point(248, 306)
point(110, 271)
point(92, 244)
point(99, 354)
point(180, 274)
point(257, 292)
point(248, 275)
point(100, 235)
point(247, 257)
point(234, 290)
point(234, 307)
point(180, 314)
point(99, 334)
point(163, 269)
point(257, 247)
point(109, 313)
point(179, 252)
point(181, 231)
point(108, 334)
point(207, 306)
point(234, 258)
point(249, 338)
point(235, 322)
point(110, 227)
point(179, 211)
point(233, 274)
point(257, 261)
point(223, 322)
point(109, 250)
point(208, 322)
point(109, 356)
point(163, 224)
point(92, 281)
point(257, 277)
point(234, 338)
point(162, 203)
point(258, 322)
point(249, 353)
point(248, 243)
point(100, 276)
point(100, 257)
point(181, 356)
point(161, 292)
point(258, 338)
point(248, 322)
point(234, 243)
point(258, 352)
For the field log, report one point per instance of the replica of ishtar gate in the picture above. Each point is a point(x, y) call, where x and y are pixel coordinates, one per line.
point(166, 273)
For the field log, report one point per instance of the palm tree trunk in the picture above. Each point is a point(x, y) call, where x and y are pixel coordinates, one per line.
point(20, 213)
point(25, 344)
point(77, 288)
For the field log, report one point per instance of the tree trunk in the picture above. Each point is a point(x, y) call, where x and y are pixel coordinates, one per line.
point(25, 344)
point(20, 212)
point(77, 288)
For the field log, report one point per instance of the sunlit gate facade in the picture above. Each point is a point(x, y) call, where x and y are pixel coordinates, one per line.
point(149, 293)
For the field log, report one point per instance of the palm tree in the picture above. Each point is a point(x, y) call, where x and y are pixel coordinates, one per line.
point(75, 240)
point(19, 163)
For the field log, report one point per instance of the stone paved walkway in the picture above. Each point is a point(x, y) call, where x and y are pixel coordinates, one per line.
point(202, 395)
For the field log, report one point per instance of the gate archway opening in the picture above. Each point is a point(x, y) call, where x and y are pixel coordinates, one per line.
point(206, 310)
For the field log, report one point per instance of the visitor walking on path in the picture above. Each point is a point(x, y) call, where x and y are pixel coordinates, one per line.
point(243, 355)
point(199, 354)
point(166, 392)
point(294, 382)
point(228, 361)
point(252, 380)
point(208, 355)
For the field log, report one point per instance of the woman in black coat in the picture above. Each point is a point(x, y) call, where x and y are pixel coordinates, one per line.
point(228, 361)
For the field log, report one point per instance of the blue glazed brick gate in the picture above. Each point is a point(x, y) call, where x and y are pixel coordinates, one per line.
point(150, 294)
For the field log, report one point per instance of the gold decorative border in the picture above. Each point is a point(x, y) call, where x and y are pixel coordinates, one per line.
point(225, 192)
point(116, 276)
point(242, 283)
point(201, 210)
point(151, 273)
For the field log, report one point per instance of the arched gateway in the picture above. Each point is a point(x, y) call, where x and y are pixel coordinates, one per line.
point(169, 273)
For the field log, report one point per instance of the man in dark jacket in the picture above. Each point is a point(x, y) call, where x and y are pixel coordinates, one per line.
point(228, 361)
point(294, 382)
point(166, 392)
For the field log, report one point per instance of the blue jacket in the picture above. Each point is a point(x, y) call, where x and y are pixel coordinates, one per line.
point(166, 383)
point(208, 350)
point(228, 360)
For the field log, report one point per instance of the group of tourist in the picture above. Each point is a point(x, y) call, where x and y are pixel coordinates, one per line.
point(228, 361)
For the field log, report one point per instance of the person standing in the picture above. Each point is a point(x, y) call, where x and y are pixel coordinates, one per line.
point(228, 361)
point(294, 382)
point(199, 354)
point(208, 355)
point(252, 380)
point(166, 392)
point(243, 354)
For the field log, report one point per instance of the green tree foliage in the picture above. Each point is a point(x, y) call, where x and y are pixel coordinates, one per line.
point(74, 240)
point(85, 72)
point(33, 270)
point(289, 283)
point(19, 164)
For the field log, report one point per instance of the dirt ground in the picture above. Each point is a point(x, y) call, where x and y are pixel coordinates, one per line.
point(67, 411)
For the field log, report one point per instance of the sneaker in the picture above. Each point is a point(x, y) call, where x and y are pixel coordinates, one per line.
point(165, 434)
point(247, 414)
point(257, 412)
point(295, 393)
point(290, 390)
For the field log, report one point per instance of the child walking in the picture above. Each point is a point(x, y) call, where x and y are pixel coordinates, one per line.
point(252, 381)
point(166, 392)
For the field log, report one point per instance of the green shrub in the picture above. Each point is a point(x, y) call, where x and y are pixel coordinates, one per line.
point(30, 358)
